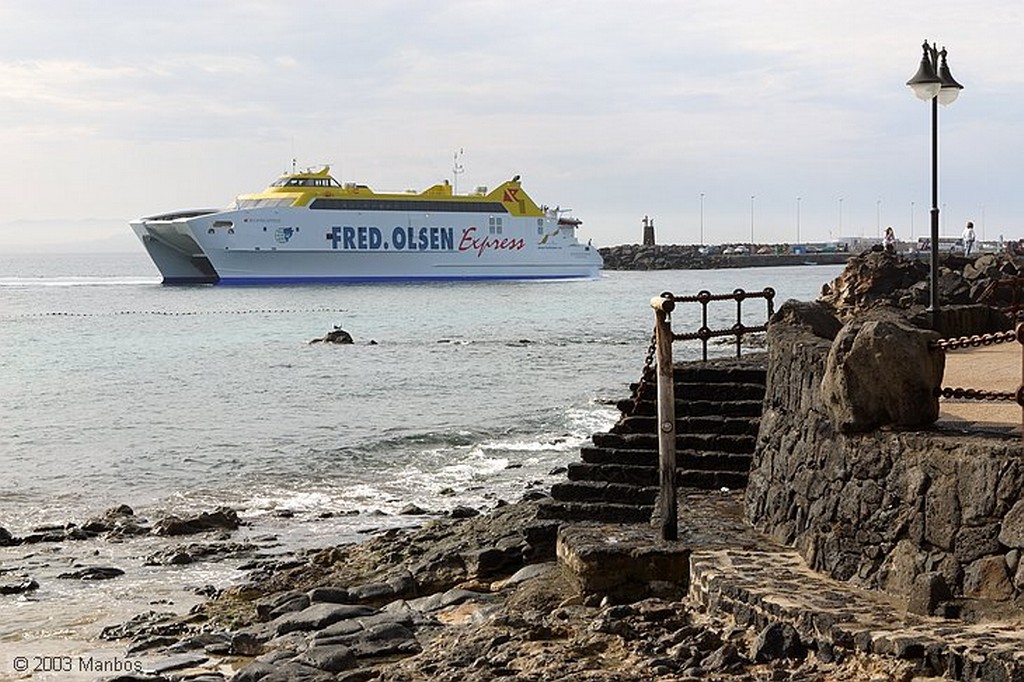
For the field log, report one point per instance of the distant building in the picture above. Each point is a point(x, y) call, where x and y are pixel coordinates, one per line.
point(648, 231)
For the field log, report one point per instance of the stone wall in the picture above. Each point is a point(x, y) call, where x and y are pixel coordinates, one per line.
point(687, 257)
point(896, 509)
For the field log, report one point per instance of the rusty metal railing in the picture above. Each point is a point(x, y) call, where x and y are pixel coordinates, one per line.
point(661, 349)
point(738, 330)
point(978, 341)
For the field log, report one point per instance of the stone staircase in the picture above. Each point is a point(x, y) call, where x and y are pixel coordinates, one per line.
point(718, 412)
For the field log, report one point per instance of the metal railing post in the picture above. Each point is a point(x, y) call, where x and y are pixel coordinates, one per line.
point(663, 306)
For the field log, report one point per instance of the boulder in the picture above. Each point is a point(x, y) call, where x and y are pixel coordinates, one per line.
point(93, 573)
point(881, 372)
point(1011, 533)
point(778, 640)
point(26, 584)
point(987, 578)
point(336, 335)
point(872, 278)
point(928, 591)
point(318, 616)
point(817, 317)
point(117, 521)
point(332, 658)
point(220, 519)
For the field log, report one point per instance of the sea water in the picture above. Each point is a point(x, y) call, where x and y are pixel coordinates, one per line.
point(115, 390)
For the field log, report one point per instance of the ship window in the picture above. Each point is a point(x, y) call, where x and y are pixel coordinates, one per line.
point(410, 205)
point(497, 222)
point(490, 224)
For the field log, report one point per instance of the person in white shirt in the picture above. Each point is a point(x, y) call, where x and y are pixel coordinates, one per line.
point(889, 241)
point(968, 237)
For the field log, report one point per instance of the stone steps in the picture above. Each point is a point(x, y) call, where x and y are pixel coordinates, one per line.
point(711, 476)
point(600, 491)
point(718, 391)
point(718, 410)
point(694, 407)
point(706, 423)
point(686, 460)
point(588, 511)
point(703, 441)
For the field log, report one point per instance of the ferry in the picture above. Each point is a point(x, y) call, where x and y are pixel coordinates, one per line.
point(307, 227)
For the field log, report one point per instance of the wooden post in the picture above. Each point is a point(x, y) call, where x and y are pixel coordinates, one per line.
point(663, 306)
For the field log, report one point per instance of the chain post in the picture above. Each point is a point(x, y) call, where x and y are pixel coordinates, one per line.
point(667, 505)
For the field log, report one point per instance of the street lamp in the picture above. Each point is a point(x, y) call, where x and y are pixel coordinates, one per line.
point(702, 219)
point(934, 82)
point(798, 221)
point(752, 224)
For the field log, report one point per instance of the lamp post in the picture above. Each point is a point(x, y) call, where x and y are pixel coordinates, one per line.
point(702, 219)
point(934, 82)
point(798, 221)
point(752, 224)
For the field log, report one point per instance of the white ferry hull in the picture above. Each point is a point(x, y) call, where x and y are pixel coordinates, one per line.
point(306, 227)
point(298, 245)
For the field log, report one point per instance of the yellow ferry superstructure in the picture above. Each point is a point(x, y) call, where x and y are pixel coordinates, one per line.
point(308, 227)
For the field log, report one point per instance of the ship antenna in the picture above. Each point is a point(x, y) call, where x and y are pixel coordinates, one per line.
point(457, 169)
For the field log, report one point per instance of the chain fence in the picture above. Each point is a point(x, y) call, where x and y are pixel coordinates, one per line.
point(983, 394)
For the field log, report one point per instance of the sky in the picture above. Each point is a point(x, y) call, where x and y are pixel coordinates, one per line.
point(754, 120)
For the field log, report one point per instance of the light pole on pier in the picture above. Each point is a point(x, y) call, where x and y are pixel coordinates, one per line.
point(752, 196)
point(798, 221)
point(702, 219)
point(934, 82)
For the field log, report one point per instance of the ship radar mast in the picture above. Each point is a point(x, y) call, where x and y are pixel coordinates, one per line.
point(457, 169)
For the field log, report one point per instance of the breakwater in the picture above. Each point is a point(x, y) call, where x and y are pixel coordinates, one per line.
point(687, 257)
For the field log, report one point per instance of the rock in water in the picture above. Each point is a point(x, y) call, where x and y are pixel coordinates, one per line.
point(220, 519)
point(336, 335)
point(25, 585)
point(92, 573)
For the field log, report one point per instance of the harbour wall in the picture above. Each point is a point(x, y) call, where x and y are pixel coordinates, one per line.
point(898, 510)
point(687, 257)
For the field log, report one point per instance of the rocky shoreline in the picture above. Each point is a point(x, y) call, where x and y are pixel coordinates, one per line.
point(474, 598)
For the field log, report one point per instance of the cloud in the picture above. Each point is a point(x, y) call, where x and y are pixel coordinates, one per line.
point(618, 109)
